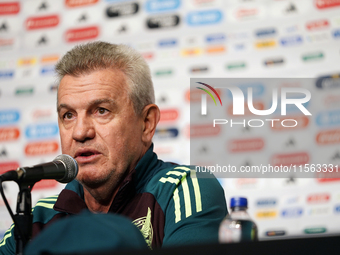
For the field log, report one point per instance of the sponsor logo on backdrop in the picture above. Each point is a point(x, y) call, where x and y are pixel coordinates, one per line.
point(78, 3)
point(163, 21)
point(45, 184)
point(337, 209)
point(47, 70)
point(291, 40)
point(316, 230)
point(7, 44)
point(124, 9)
point(247, 13)
point(164, 150)
point(8, 117)
point(6, 74)
point(163, 73)
point(265, 32)
point(162, 99)
point(216, 49)
point(247, 183)
point(327, 119)
point(265, 44)
point(318, 198)
point(41, 148)
point(292, 200)
point(300, 158)
point(267, 202)
point(239, 46)
point(24, 91)
point(290, 8)
point(42, 40)
point(3, 152)
point(294, 212)
point(336, 33)
point(312, 56)
point(323, 4)
point(199, 69)
point(215, 38)
point(43, 6)
point(35, 131)
point(191, 52)
point(330, 175)
point(166, 133)
point(204, 17)
point(317, 24)
point(9, 8)
point(42, 22)
point(4, 27)
point(204, 130)
point(49, 59)
point(244, 35)
point(165, 43)
point(9, 134)
point(41, 114)
point(328, 137)
point(275, 233)
point(319, 211)
point(169, 115)
point(27, 61)
point(148, 55)
point(318, 37)
point(81, 34)
point(162, 5)
point(246, 145)
point(236, 66)
point(53, 88)
point(6, 166)
point(266, 214)
point(328, 82)
point(274, 62)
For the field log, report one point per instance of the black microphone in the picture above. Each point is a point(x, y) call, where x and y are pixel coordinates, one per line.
point(63, 168)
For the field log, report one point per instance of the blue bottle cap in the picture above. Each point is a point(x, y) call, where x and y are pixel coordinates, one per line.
point(238, 202)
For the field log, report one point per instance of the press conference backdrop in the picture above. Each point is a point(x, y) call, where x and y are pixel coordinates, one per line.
point(181, 40)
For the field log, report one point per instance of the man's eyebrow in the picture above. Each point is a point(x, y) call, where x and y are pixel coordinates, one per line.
point(62, 106)
point(102, 101)
point(91, 103)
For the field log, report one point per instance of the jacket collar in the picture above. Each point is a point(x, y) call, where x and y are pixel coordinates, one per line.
point(71, 199)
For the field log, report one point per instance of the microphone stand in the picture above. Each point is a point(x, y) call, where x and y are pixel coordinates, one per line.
point(23, 217)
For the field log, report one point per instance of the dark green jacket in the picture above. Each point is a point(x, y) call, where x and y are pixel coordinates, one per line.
point(169, 203)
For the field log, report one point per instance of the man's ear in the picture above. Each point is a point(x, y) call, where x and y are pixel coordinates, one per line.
point(151, 116)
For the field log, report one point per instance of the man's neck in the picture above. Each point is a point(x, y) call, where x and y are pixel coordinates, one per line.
point(98, 201)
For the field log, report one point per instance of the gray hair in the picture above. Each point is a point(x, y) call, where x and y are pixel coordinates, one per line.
point(93, 56)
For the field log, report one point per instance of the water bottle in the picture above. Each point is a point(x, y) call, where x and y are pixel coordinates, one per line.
point(237, 226)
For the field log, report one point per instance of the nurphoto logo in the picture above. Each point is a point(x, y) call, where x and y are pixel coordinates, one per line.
point(239, 100)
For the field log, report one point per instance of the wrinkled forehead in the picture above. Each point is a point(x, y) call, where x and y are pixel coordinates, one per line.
point(103, 83)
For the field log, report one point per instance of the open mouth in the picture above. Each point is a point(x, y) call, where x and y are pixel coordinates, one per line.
point(86, 153)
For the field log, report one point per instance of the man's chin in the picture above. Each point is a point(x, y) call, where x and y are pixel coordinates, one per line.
point(91, 183)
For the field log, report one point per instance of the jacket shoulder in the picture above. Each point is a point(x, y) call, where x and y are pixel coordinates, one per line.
point(43, 210)
point(185, 181)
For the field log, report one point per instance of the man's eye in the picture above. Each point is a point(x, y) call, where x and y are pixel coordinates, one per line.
point(102, 110)
point(68, 115)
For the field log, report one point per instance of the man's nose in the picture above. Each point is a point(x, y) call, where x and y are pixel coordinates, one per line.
point(83, 129)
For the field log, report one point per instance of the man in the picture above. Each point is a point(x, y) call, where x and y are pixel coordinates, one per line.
point(107, 118)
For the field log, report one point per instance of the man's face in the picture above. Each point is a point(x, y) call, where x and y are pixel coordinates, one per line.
point(98, 126)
